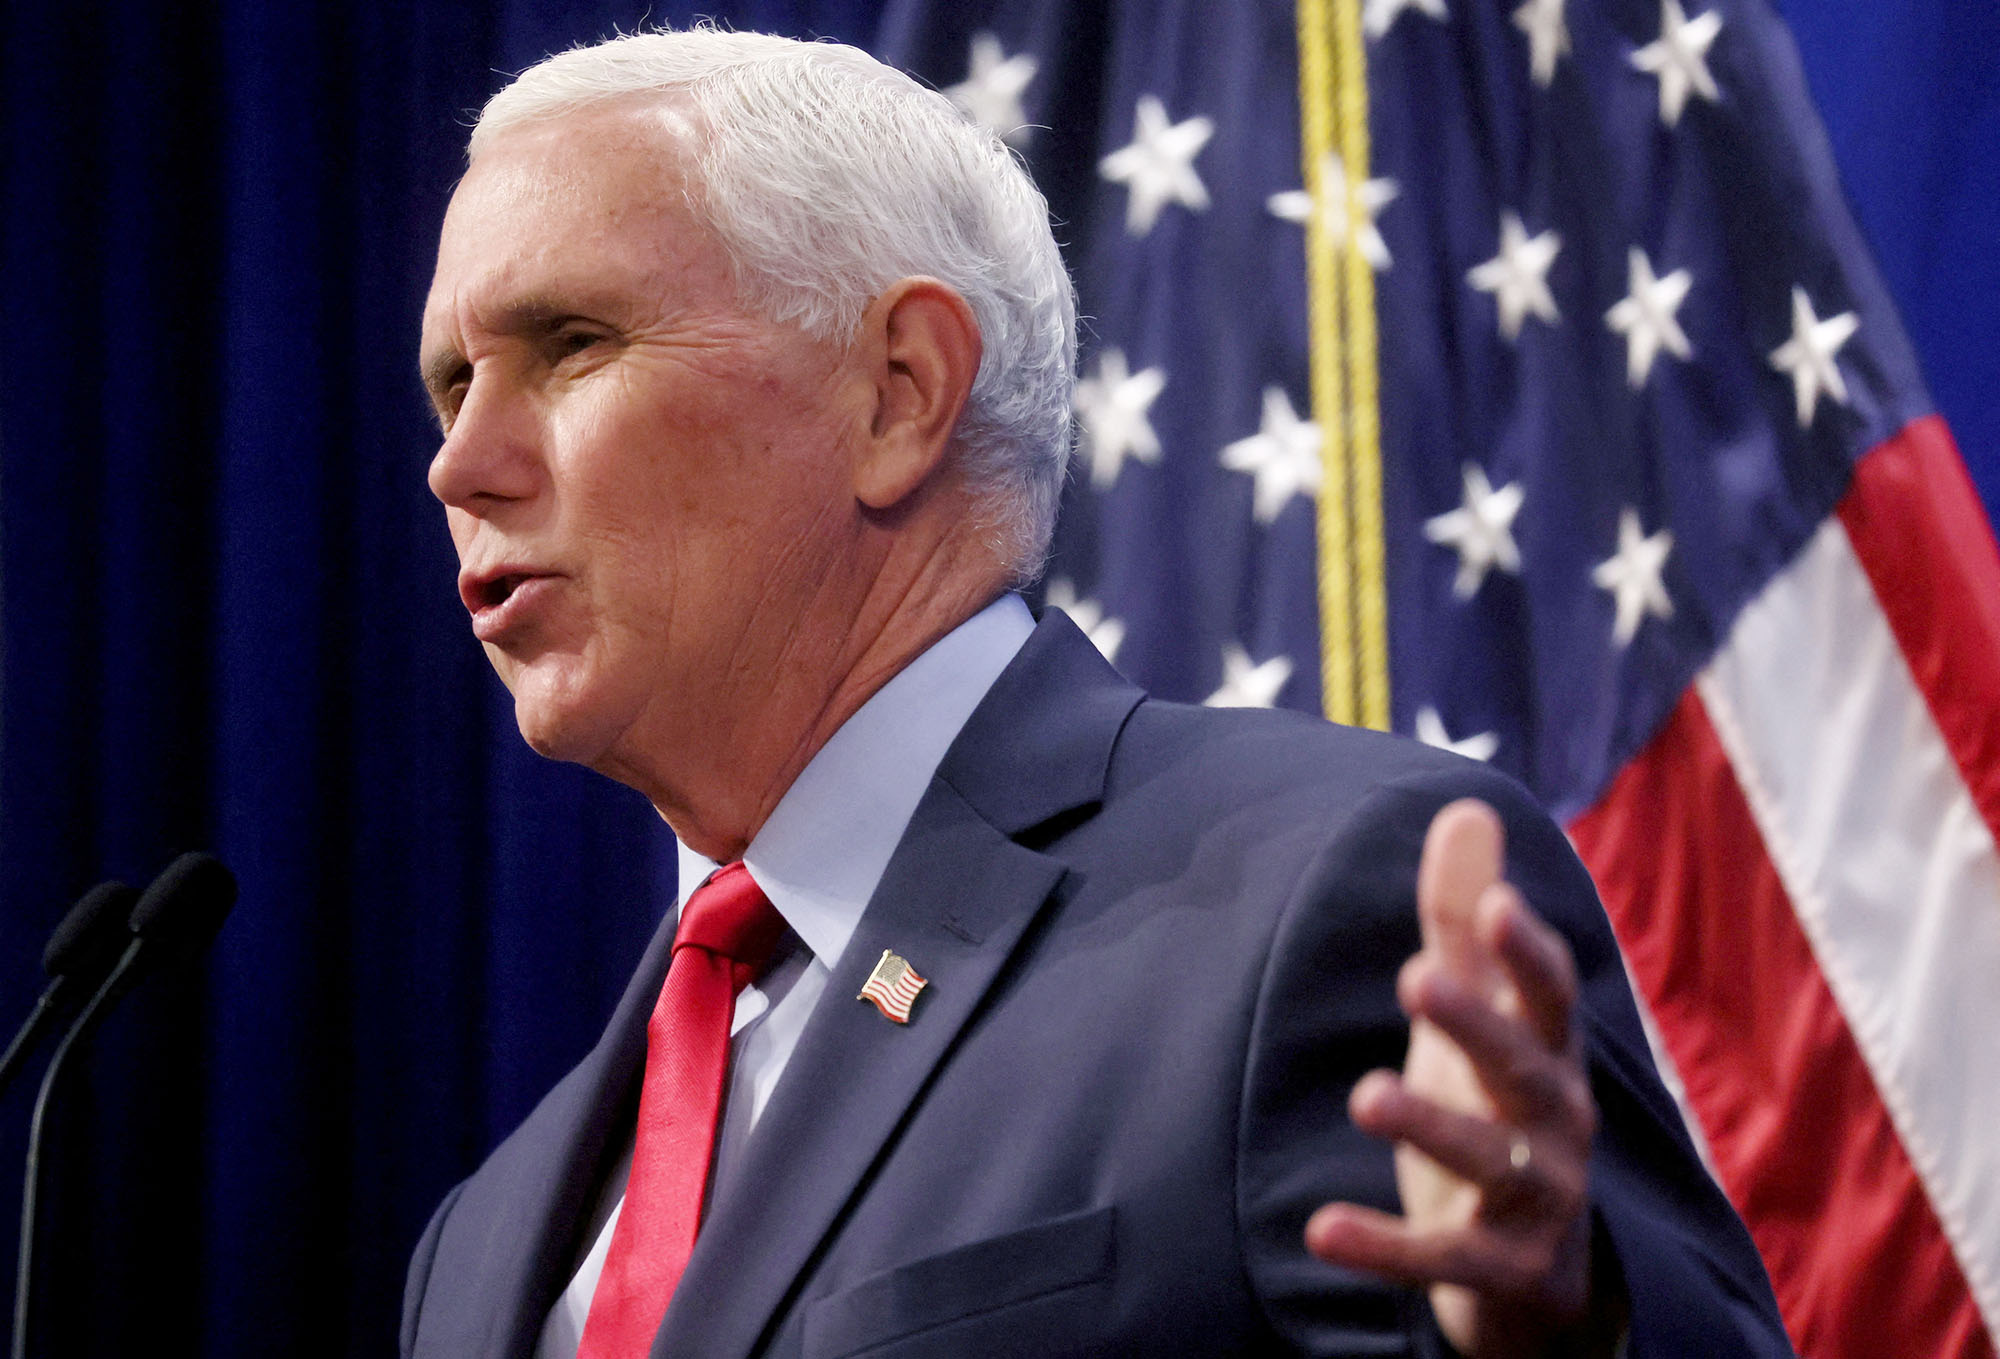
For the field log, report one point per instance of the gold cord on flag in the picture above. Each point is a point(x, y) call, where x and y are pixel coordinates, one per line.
point(1340, 289)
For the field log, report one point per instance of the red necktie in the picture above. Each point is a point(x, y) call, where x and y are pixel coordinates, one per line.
point(726, 935)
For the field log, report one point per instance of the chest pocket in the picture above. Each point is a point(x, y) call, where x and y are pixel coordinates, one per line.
point(1039, 1291)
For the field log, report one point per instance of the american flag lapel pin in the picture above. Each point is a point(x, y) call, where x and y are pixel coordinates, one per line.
point(893, 987)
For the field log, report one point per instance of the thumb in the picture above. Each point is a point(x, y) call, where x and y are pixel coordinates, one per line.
point(1465, 852)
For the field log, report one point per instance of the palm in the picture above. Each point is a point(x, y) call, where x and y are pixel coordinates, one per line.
point(1435, 1068)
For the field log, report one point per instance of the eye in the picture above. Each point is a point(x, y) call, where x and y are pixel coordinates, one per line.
point(448, 394)
point(570, 343)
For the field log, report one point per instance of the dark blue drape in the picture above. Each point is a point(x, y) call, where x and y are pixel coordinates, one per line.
point(227, 622)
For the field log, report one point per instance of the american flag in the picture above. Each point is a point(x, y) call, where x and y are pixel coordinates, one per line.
point(1623, 478)
point(893, 986)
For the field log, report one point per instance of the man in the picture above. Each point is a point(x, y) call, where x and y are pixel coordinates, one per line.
point(753, 363)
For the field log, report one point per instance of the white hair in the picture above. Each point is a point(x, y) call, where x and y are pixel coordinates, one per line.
point(827, 176)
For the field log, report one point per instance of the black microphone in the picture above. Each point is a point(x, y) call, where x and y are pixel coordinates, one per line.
point(175, 918)
point(82, 950)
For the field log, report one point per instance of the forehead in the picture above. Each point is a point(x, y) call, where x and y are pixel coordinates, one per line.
point(588, 209)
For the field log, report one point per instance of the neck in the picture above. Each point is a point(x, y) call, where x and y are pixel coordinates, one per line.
point(718, 793)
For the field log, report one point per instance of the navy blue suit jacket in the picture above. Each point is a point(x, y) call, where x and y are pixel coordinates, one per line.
point(1162, 945)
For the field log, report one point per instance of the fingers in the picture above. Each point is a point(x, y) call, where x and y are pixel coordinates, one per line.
point(1509, 1252)
point(1492, 1115)
point(1537, 960)
point(1493, 1264)
point(1524, 1061)
point(1514, 1183)
point(1381, 1243)
point(1464, 854)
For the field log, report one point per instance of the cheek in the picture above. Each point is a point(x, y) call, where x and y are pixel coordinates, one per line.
point(613, 453)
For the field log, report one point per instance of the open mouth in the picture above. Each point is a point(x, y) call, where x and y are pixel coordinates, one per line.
point(492, 593)
point(487, 597)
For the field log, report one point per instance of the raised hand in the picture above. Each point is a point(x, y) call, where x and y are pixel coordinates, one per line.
point(1491, 1114)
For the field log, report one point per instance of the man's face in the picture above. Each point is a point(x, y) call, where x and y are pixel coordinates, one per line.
point(644, 482)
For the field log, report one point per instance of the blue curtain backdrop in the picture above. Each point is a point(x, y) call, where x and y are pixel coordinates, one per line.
point(227, 619)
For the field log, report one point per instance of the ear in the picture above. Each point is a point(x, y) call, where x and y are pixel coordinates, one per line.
point(921, 346)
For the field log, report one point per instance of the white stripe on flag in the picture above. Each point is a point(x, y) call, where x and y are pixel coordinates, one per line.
point(1892, 871)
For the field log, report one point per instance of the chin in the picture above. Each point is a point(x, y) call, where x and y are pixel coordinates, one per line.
point(560, 726)
point(550, 740)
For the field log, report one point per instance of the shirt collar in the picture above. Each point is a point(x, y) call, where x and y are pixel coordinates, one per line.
point(822, 852)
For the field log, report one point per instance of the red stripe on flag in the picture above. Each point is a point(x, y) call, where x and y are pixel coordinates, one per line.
point(1921, 535)
point(1800, 1140)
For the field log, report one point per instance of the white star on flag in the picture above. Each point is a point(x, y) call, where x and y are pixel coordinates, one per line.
point(1518, 277)
point(1632, 575)
point(1680, 58)
point(1158, 166)
point(990, 94)
point(1808, 355)
point(1342, 201)
point(1104, 633)
point(1646, 317)
point(1283, 455)
point(1112, 403)
point(1381, 15)
point(1548, 37)
point(1246, 683)
point(1481, 530)
point(1430, 730)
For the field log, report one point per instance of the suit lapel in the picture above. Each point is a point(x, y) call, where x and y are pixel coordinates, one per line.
point(956, 900)
point(854, 1074)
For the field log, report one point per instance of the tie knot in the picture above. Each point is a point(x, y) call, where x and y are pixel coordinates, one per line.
point(730, 916)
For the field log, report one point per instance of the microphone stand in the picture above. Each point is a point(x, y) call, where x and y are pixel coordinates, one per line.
point(178, 914)
point(93, 1014)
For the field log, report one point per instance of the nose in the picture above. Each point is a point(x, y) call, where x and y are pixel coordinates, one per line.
point(491, 455)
